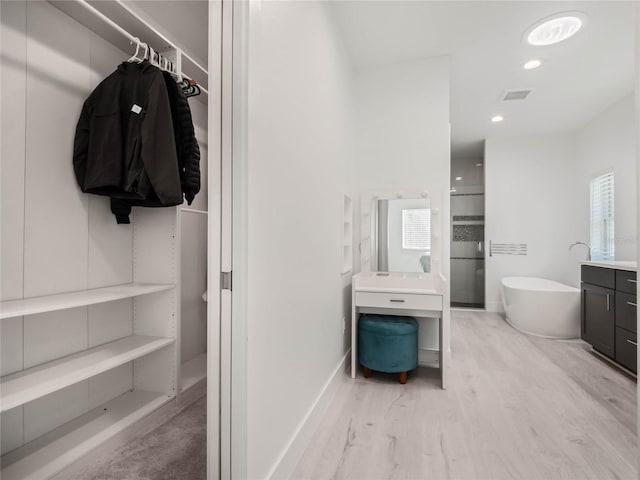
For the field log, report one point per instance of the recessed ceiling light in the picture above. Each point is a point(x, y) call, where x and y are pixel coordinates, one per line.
point(531, 64)
point(458, 178)
point(554, 29)
point(497, 118)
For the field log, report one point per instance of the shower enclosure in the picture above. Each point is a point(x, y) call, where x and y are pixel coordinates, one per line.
point(467, 233)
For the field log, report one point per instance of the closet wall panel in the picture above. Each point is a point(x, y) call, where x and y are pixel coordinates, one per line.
point(11, 430)
point(193, 339)
point(110, 384)
point(47, 413)
point(110, 245)
point(12, 146)
point(110, 321)
point(56, 215)
point(11, 345)
point(52, 335)
point(12, 153)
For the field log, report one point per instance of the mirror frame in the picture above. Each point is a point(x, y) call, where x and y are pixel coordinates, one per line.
point(435, 199)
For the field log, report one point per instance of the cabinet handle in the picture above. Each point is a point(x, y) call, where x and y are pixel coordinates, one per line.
point(608, 302)
point(396, 300)
point(632, 304)
point(632, 281)
point(632, 342)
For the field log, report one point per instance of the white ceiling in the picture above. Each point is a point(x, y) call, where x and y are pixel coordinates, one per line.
point(578, 79)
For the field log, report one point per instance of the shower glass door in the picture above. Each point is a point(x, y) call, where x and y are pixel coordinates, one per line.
point(467, 233)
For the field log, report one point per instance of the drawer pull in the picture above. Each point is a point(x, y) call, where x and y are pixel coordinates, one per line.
point(396, 300)
point(632, 304)
point(631, 280)
point(632, 342)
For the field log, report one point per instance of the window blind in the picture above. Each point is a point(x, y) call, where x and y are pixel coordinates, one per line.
point(602, 217)
point(416, 229)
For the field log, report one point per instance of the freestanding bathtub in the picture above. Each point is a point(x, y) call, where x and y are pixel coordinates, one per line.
point(541, 307)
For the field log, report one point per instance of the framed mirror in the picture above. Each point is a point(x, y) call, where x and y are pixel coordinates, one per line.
point(400, 232)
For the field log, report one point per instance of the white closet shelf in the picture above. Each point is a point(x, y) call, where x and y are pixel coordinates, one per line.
point(192, 371)
point(128, 22)
point(27, 385)
point(62, 301)
point(51, 453)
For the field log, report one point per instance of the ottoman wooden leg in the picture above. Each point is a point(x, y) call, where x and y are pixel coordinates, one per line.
point(367, 372)
point(403, 377)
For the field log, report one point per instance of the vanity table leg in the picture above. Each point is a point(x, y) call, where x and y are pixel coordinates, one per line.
point(441, 350)
point(354, 340)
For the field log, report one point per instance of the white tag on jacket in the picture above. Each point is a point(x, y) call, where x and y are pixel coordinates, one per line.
point(136, 108)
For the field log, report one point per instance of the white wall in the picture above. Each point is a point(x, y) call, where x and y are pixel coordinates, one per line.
point(537, 192)
point(532, 197)
point(299, 166)
point(402, 126)
point(608, 143)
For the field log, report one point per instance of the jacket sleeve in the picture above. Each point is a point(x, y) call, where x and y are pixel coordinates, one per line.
point(81, 143)
point(190, 150)
point(121, 209)
point(158, 150)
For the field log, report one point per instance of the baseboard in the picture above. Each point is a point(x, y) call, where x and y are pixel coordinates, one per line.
point(495, 307)
point(289, 458)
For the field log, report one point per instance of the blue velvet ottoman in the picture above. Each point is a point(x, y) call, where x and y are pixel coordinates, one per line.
point(388, 343)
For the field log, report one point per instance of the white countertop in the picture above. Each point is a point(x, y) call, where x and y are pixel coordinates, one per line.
point(417, 283)
point(615, 264)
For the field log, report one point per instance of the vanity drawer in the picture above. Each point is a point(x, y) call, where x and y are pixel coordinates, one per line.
point(626, 311)
point(626, 281)
point(399, 300)
point(626, 349)
point(603, 277)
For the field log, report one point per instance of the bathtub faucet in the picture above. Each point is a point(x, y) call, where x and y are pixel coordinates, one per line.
point(582, 243)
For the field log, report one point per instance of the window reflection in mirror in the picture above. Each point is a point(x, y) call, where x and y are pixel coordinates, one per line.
point(401, 235)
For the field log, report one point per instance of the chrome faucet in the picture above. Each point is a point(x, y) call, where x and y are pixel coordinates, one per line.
point(582, 243)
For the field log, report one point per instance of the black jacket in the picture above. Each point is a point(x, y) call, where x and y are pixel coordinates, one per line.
point(187, 150)
point(125, 144)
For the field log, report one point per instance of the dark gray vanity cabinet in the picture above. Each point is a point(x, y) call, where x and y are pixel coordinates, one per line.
point(598, 327)
point(608, 313)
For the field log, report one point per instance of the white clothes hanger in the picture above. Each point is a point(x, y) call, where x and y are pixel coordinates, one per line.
point(135, 58)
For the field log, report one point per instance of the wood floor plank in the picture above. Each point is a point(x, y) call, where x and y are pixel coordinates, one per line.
point(516, 407)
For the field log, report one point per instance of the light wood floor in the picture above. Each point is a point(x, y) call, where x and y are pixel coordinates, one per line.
point(516, 407)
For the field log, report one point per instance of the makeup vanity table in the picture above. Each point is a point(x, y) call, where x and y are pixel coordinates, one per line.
point(395, 293)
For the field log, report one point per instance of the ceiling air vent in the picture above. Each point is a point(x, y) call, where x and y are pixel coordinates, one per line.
point(515, 95)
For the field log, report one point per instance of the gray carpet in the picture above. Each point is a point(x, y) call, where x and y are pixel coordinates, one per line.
point(175, 450)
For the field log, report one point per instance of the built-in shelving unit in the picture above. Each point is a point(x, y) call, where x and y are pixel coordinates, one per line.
point(62, 301)
point(93, 345)
point(347, 234)
point(52, 452)
point(36, 382)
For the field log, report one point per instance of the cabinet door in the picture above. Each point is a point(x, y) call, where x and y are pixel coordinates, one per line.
point(598, 318)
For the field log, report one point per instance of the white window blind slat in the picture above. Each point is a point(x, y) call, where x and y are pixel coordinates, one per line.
point(416, 229)
point(602, 217)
